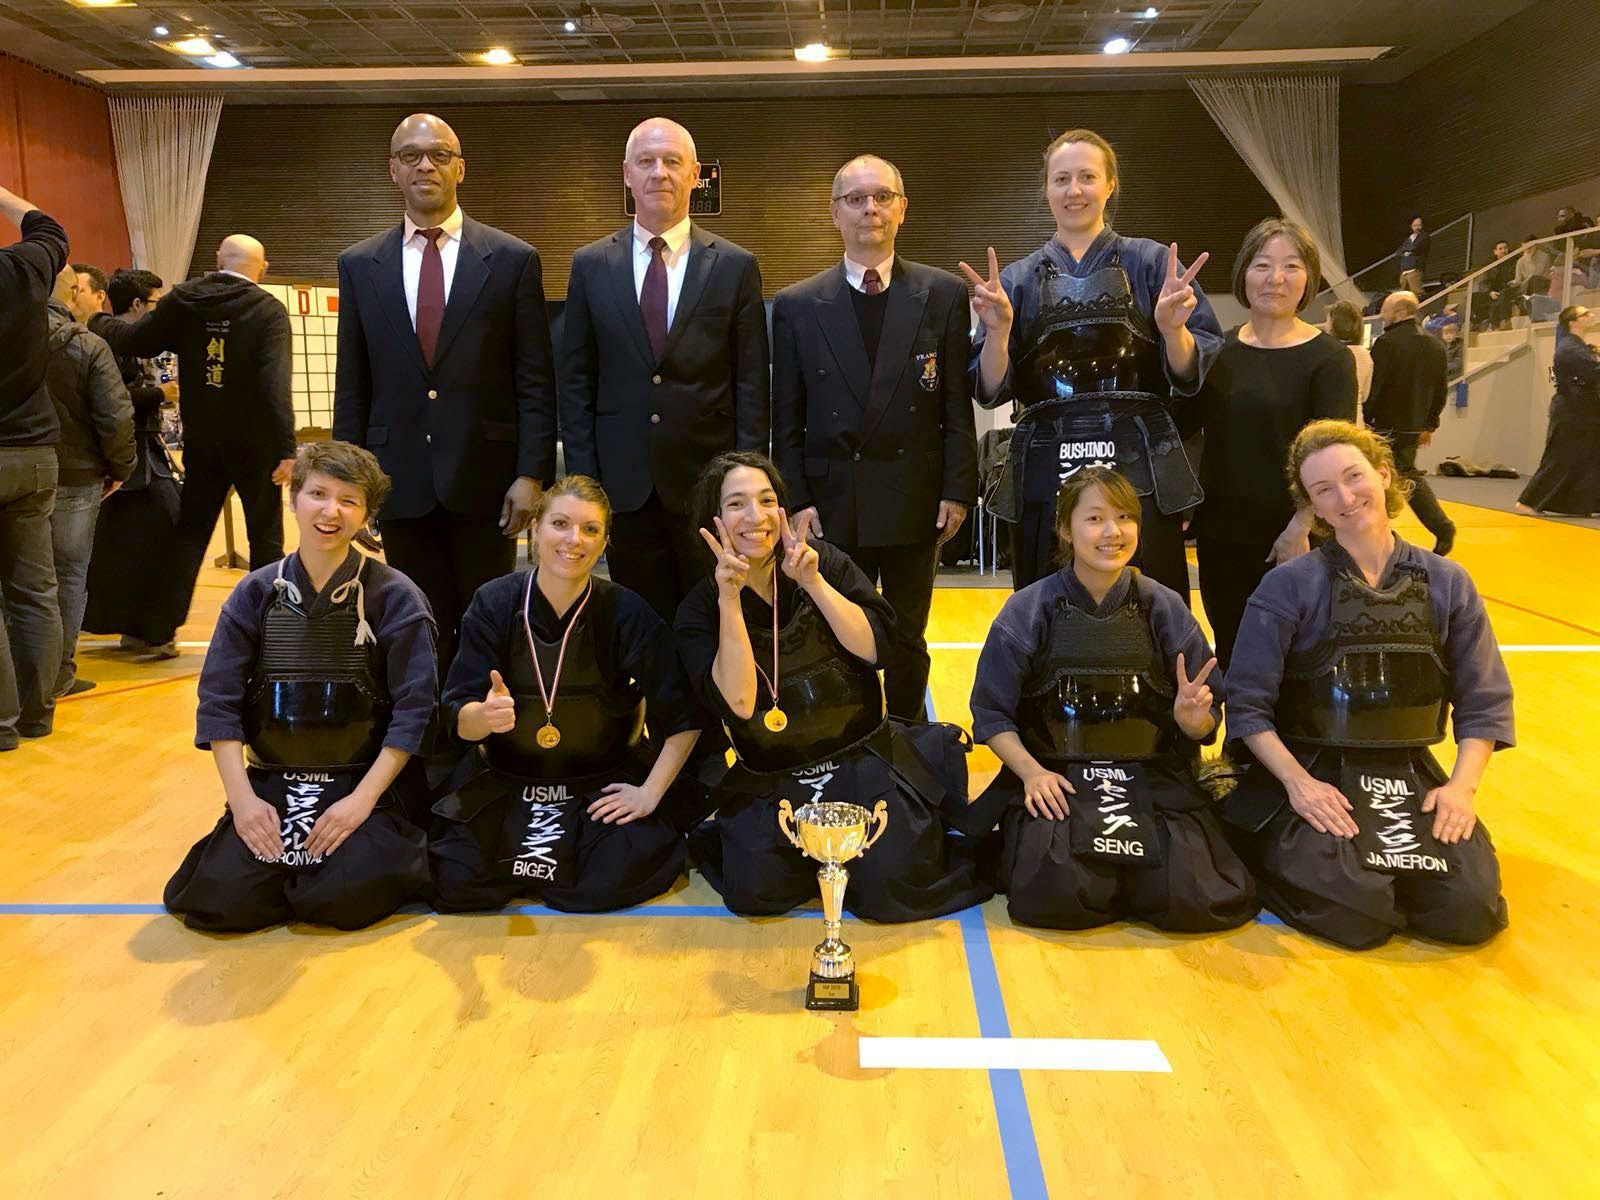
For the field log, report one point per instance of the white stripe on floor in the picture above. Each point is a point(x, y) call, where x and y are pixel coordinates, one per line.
point(1530, 648)
point(1012, 1054)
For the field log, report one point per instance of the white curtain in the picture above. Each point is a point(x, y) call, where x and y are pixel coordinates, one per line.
point(1286, 127)
point(163, 152)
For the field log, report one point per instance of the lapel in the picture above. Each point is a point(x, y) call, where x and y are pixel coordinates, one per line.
point(837, 317)
point(702, 257)
point(900, 321)
point(472, 271)
point(388, 280)
point(619, 266)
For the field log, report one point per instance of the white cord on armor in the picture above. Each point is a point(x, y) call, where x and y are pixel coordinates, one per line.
point(281, 584)
point(364, 632)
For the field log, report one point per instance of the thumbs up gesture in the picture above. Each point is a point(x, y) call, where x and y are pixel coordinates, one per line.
point(1192, 708)
point(499, 707)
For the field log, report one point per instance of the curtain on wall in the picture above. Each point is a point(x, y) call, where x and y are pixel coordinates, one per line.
point(163, 151)
point(1286, 128)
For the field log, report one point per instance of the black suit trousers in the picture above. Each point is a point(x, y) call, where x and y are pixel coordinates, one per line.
point(448, 556)
point(905, 576)
point(654, 552)
point(209, 470)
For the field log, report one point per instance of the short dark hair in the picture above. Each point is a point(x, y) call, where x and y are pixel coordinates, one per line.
point(1117, 489)
point(706, 501)
point(95, 274)
point(1344, 322)
point(1263, 233)
point(341, 460)
point(128, 284)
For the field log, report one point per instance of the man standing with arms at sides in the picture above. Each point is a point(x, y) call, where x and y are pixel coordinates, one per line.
point(234, 349)
point(872, 411)
point(1409, 382)
point(445, 373)
point(663, 365)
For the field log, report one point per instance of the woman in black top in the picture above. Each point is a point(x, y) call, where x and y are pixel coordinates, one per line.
point(784, 645)
point(1274, 374)
point(1568, 478)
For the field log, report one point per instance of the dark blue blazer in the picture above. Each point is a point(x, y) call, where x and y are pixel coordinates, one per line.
point(460, 432)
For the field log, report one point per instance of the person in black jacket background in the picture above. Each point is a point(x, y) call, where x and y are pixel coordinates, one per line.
point(234, 348)
point(663, 366)
point(445, 373)
point(872, 411)
point(1413, 254)
point(30, 651)
point(1409, 377)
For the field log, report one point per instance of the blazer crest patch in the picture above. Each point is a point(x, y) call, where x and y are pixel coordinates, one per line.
point(928, 370)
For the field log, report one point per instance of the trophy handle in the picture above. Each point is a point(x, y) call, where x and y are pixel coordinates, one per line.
point(880, 814)
point(786, 823)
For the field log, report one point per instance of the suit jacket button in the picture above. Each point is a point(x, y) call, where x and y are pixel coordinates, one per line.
point(428, 437)
point(655, 379)
point(856, 457)
point(911, 407)
point(821, 374)
point(655, 418)
point(432, 395)
point(900, 451)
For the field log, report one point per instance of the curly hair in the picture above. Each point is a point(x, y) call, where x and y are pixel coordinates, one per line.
point(1117, 489)
point(1374, 447)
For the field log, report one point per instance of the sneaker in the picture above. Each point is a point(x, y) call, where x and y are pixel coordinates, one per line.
point(164, 651)
point(77, 687)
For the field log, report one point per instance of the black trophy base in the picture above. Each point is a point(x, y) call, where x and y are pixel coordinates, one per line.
point(833, 995)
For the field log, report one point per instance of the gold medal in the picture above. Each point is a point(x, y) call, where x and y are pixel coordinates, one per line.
point(775, 720)
point(548, 737)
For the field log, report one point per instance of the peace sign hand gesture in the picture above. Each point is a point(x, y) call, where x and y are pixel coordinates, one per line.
point(1177, 300)
point(1192, 708)
point(989, 299)
point(732, 568)
point(800, 558)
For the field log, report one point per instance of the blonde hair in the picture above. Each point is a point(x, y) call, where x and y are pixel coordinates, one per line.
point(580, 487)
point(1089, 137)
point(1375, 448)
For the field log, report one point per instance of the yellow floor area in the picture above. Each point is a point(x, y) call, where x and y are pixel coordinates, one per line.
point(669, 1055)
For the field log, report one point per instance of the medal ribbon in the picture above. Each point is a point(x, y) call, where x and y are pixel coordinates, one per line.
point(772, 683)
point(549, 697)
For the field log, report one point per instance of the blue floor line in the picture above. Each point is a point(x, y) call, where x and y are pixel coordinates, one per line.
point(1017, 1142)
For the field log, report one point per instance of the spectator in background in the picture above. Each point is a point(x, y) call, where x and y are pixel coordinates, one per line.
point(1492, 305)
point(1533, 262)
point(1586, 250)
point(1568, 479)
point(87, 294)
point(1345, 323)
point(1409, 376)
point(30, 634)
point(233, 345)
point(133, 590)
point(1414, 257)
point(1454, 349)
point(94, 456)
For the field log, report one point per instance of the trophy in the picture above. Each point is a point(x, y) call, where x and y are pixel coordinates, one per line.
point(833, 834)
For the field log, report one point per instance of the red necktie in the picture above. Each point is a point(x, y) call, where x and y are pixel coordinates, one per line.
point(871, 282)
point(653, 298)
point(430, 295)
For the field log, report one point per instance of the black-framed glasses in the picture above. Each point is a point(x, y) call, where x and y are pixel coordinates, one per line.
point(442, 156)
point(883, 197)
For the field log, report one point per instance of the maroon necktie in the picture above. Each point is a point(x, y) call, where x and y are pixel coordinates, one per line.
point(430, 295)
point(653, 298)
point(871, 282)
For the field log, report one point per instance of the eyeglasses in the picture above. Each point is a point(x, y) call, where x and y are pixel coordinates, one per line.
point(442, 156)
point(883, 197)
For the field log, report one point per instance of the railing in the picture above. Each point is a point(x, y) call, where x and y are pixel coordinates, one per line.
point(1451, 242)
point(1573, 260)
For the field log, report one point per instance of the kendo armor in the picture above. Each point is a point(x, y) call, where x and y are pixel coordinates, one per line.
point(1379, 681)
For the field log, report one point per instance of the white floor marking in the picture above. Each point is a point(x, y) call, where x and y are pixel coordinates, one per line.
point(1012, 1054)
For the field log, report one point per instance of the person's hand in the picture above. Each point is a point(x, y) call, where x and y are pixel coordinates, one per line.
point(732, 567)
point(1045, 793)
point(800, 557)
point(256, 822)
point(620, 803)
point(1289, 545)
point(807, 523)
point(283, 472)
point(1192, 707)
point(989, 299)
point(1322, 806)
point(1454, 818)
point(951, 515)
point(107, 486)
point(337, 822)
point(1424, 437)
point(1177, 300)
point(516, 510)
point(499, 705)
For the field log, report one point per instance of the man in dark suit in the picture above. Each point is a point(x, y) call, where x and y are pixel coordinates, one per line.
point(1409, 382)
point(446, 374)
point(663, 365)
point(235, 373)
point(872, 410)
point(1414, 256)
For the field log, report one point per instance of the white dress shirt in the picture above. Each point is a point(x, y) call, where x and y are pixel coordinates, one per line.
point(411, 246)
point(675, 257)
point(855, 272)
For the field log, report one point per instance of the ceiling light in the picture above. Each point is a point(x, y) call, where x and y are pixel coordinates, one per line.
point(194, 47)
point(1150, 14)
point(102, 3)
point(1117, 45)
point(499, 57)
point(161, 31)
point(813, 52)
point(570, 26)
point(223, 59)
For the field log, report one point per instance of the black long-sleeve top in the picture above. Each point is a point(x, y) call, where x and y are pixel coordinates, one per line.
point(28, 271)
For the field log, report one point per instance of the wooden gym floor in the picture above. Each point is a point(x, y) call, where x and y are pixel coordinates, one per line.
point(665, 1053)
